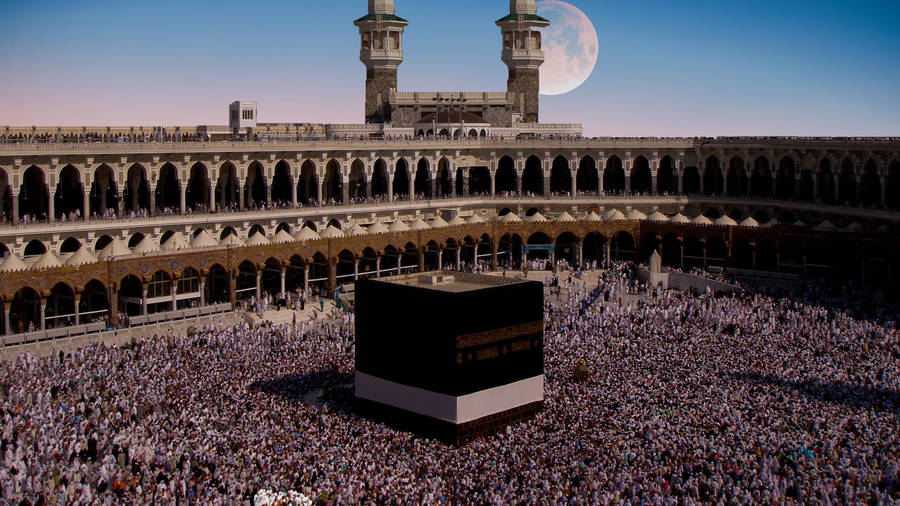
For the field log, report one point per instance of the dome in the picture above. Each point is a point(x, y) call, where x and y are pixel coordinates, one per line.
point(516, 6)
point(593, 217)
point(701, 220)
point(282, 237)
point(47, 261)
point(680, 218)
point(536, 218)
point(384, 6)
point(114, 249)
point(726, 221)
point(456, 220)
point(332, 232)
point(81, 257)
point(356, 230)
point(146, 246)
point(475, 219)
point(510, 218)
point(613, 215)
point(231, 240)
point(825, 225)
point(257, 239)
point(307, 234)
point(175, 243)
point(377, 228)
point(657, 216)
point(636, 215)
point(565, 217)
point(398, 226)
point(12, 263)
point(750, 222)
point(437, 222)
point(204, 240)
point(419, 224)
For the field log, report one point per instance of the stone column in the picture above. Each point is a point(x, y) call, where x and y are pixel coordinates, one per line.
point(458, 255)
point(268, 194)
point(412, 185)
point(579, 252)
point(753, 257)
point(51, 205)
point(305, 278)
point(573, 169)
point(85, 203)
point(390, 187)
point(882, 176)
point(421, 258)
point(258, 284)
point(682, 255)
point(152, 201)
point(355, 269)
point(440, 264)
point(43, 313)
point(6, 321)
point(293, 192)
point(77, 309)
point(493, 183)
point(174, 294)
point(15, 210)
point(212, 196)
point(283, 272)
point(608, 253)
point(202, 292)
point(377, 266)
point(240, 196)
point(494, 255)
point(144, 308)
point(183, 202)
point(320, 179)
point(704, 256)
point(332, 276)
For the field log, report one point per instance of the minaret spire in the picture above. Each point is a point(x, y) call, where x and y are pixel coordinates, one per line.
point(523, 55)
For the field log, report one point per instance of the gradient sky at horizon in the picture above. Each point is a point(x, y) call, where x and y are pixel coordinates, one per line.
point(665, 68)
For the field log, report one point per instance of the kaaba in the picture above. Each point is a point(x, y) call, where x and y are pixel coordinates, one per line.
point(450, 355)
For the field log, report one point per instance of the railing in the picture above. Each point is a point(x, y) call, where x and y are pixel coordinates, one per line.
point(608, 200)
point(97, 327)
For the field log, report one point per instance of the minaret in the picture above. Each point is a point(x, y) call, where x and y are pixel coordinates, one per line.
point(381, 33)
point(523, 55)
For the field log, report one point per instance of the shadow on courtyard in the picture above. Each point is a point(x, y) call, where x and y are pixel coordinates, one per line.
point(330, 389)
point(855, 396)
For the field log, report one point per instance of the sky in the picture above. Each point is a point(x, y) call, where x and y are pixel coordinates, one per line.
point(665, 68)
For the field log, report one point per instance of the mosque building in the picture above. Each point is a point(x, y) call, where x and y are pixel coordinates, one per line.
point(152, 224)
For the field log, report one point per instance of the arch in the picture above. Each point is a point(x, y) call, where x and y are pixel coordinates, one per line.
point(641, 176)
point(716, 252)
point(847, 183)
point(345, 268)
point(893, 185)
point(422, 185)
point(159, 292)
point(187, 290)
point(479, 181)
point(614, 175)
point(460, 180)
point(308, 184)
point(691, 183)
point(737, 177)
point(294, 275)
point(667, 177)
point(227, 187)
point(255, 187)
point(587, 179)
point(197, 191)
point(400, 185)
point(533, 177)
point(256, 229)
point(137, 190)
point(94, 304)
point(284, 226)
point(25, 311)
point(356, 186)
point(444, 180)
point(104, 195)
point(135, 239)
point(671, 250)
point(318, 272)
point(59, 308)
point(390, 261)
point(622, 246)
point(34, 248)
point(33, 194)
point(368, 263)
point(432, 255)
point(168, 189)
point(102, 242)
point(334, 222)
point(282, 182)
point(806, 191)
point(761, 179)
point(713, 181)
point(270, 278)
point(217, 289)
point(505, 180)
point(4, 252)
point(592, 249)
point(766, 256)
point(785, 180)
point(473, 134)
point(131, 295)
point(333, 184)
point(560, 177)
point(742, 254)
point(69, 197)
point(70, 245)
point(871, 185)
point(245, 280)
point(380, 179)
point(5, 199)
point(564, 248)
point(449, 254)
point(826, 182)
point(226, 232)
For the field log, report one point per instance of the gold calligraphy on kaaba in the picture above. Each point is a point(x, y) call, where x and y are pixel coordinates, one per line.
point(497, 335)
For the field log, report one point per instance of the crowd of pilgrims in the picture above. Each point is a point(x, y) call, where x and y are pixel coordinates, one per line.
point(690, 398)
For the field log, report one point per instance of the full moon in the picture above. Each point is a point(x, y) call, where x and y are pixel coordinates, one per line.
point(570, 47)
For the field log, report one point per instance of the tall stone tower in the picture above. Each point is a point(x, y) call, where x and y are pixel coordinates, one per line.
point(381, 50)
point(523, 55)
